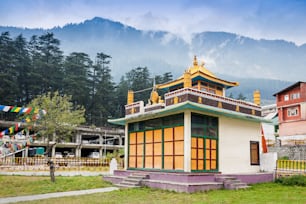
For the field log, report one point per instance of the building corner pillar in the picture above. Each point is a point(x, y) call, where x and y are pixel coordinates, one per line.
point(126, 148)
point(187, 141)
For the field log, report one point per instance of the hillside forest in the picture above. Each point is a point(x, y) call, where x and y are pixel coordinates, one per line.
point(37, 66)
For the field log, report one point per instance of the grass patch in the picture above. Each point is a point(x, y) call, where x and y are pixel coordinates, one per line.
point(268, 193)
point(29, 185)
point(259, 193)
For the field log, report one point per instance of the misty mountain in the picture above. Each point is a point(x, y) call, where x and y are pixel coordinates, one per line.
point(251, 62)
point(267, 88)
point(242, 56)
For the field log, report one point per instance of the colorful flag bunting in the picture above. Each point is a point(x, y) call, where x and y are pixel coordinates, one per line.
point(6, 108)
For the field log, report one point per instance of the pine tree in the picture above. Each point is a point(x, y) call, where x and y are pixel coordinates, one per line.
point(23, 70)
point(102, 91)
point(139, 79)
point(8, 83)
point(76, 72)
point(47, 62)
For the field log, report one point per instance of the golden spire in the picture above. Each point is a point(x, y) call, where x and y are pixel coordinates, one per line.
point(195, 61)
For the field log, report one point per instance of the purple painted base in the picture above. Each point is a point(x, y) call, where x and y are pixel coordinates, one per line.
point(187, 182)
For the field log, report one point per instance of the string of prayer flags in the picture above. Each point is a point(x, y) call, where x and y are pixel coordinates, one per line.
point(21, 110)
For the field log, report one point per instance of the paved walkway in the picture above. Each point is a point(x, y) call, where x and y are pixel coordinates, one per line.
point(55, 195)
point(57, 173)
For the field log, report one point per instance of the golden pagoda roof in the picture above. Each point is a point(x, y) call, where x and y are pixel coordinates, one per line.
point(198, 72)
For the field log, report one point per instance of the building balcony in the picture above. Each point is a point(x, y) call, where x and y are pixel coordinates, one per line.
point(196, 96)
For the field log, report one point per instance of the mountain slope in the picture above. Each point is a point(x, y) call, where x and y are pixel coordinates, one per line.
point(224, 53)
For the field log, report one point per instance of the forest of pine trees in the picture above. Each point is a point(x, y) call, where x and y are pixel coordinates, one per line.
point(37, 66)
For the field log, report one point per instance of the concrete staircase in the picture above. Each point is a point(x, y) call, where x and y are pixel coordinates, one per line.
point(133, 181)
point(232, 183)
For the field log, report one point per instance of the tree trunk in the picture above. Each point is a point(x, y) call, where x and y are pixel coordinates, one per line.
point(52, 170)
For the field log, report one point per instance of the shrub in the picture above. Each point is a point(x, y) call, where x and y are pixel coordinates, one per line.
point(284, 158)
point(296, 180)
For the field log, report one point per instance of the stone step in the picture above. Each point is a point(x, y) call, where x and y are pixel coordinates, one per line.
point(130, 183)
point(234, 185)
point(223, 178)
point(126, 186)
point(132, 179)
point(231, 181)
point(137, 175)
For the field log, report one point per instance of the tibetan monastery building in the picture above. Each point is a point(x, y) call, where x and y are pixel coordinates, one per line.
point(193, 128)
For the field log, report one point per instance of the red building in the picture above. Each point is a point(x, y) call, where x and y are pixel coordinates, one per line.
point(291, 105)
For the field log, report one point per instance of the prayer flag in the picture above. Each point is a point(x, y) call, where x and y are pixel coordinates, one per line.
point(263, 142)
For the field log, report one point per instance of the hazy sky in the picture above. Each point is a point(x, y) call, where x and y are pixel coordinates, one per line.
point(269, 19)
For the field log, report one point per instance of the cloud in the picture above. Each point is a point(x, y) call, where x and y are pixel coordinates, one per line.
point(273, 19)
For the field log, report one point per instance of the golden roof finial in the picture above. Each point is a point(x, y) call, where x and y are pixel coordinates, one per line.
point(195, 61)
point(202, 63)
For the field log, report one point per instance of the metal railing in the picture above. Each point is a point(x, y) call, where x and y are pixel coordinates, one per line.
point(211, 96)
point(290, 167)
point(61, 164)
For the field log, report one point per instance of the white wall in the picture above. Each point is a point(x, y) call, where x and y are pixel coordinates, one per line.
point(268, 161)
point(234, 145)
point(268, 129)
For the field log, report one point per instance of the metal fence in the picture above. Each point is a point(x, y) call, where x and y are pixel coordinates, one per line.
point(290, 167)
point(61, 164)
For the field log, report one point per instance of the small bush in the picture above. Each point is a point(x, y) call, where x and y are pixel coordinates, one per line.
point(284, 158)
point(296, 180)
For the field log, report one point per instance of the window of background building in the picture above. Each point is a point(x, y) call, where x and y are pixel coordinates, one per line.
point(286, 97)
point(293, 111)
point(295, 96)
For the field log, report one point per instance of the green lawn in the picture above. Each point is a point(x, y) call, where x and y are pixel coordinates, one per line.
point(28, 185)
point(259, 193)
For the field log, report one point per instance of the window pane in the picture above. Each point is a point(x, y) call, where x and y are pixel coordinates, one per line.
point(157, 162)
point(207, 165)
point(157, 135)
point(140, 137)
point(193, 164)
point(149, 136)
point(200, 164)
point(149, 162)
point(179, 147)
point(140, 150)
point(168, 148)
point(133, 138)
point(157, 148)
point(207, 143)
point(168, 162)
point(139, 162)
point(212, 131)
point(194, 142)
point(193, 153)
point(200, 154)
point(179, 133)
point(132, 150)
point(213, 144)
point(149, 149)
point(200, 142)
point(213, 154)
point(168, 134)
point(155, 123)
point(179, 162)
point(213, 164)
point(132, 161)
